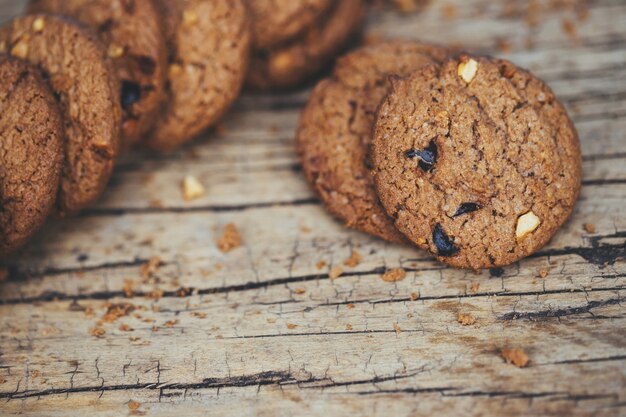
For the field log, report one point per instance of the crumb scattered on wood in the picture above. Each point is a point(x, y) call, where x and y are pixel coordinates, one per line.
point(466, 319)
point(299, 291)
point(97, 332)
point(393, 275)
point(589, 227)
point(415, 296)
point(544, 272)
point(449, 11)
point(156, 294)
point(335, 272)
point(198, 314)
point(125, 328)
point(350, 305)
point(291, 326)
point(397, 328)
point(230, 239)
point(320, 265)
point(2, 380)
point(115, 311)
point(170, 323)
point(150, 268)
point(515, 356)
point(569, 28)
point(348, 326)
point(128, 288)
point(133, 405)
point(192, 188)
point(353, 260)
point(475, 287)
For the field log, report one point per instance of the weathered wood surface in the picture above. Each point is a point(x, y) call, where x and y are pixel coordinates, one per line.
point(262, 331)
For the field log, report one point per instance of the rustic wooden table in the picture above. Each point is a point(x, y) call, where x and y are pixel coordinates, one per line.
point(262, 330)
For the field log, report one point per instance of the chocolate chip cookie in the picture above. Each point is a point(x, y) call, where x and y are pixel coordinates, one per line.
point(209, 43)
point(132, 31)
point(276, 21)
point(476, 160)
point(289, 64)
point(31, 152)
point(336, 130)
point(76, 65)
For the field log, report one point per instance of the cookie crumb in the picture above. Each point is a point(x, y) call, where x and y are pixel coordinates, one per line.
point(198, 314)
point(475, 287)
point(231, 239)
point(192, 188)
point(97, 332)
point(515, 356)
point(415, 296)
point(190, 18)
point(397, 328)
point(348, 326)
point(115, 311)
point(350, 305)
point(291, 326)
point(2, 380)
point(125, 328)
point(320, 265)
point(466, 319)
point(353, 260)
point(393, 275)
point(128, 288)
point(589, 227)
point(569, 28)
point(299, 291)
point(543, 272)
point(170, 323)
point(133, 405)
point(149, 268)
point(335, 272)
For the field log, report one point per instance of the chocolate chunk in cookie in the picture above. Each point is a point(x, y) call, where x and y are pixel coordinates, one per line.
point(132, 31)
point(76, 65)
point(507, 170)
point(209, 43)
point(277, 21)
point(290, 64)
point(336, 130)
point(31, 152)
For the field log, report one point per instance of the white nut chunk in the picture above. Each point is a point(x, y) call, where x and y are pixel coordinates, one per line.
point(192, 188)
point(467, 70)
point(526, 224)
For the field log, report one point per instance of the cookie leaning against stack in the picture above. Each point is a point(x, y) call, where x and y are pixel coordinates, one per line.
point(472, 159)
point(31, 152)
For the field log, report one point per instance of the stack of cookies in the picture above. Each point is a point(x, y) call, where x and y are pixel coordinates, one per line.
point(84, 80)
point(468, 157)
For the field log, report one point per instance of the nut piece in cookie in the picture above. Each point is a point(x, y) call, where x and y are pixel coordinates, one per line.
point(31, 153)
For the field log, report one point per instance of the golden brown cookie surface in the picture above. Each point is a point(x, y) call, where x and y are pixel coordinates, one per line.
point(209, 43)
point(476, 161)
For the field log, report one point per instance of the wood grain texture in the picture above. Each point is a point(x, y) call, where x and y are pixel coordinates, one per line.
point(262, 330)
